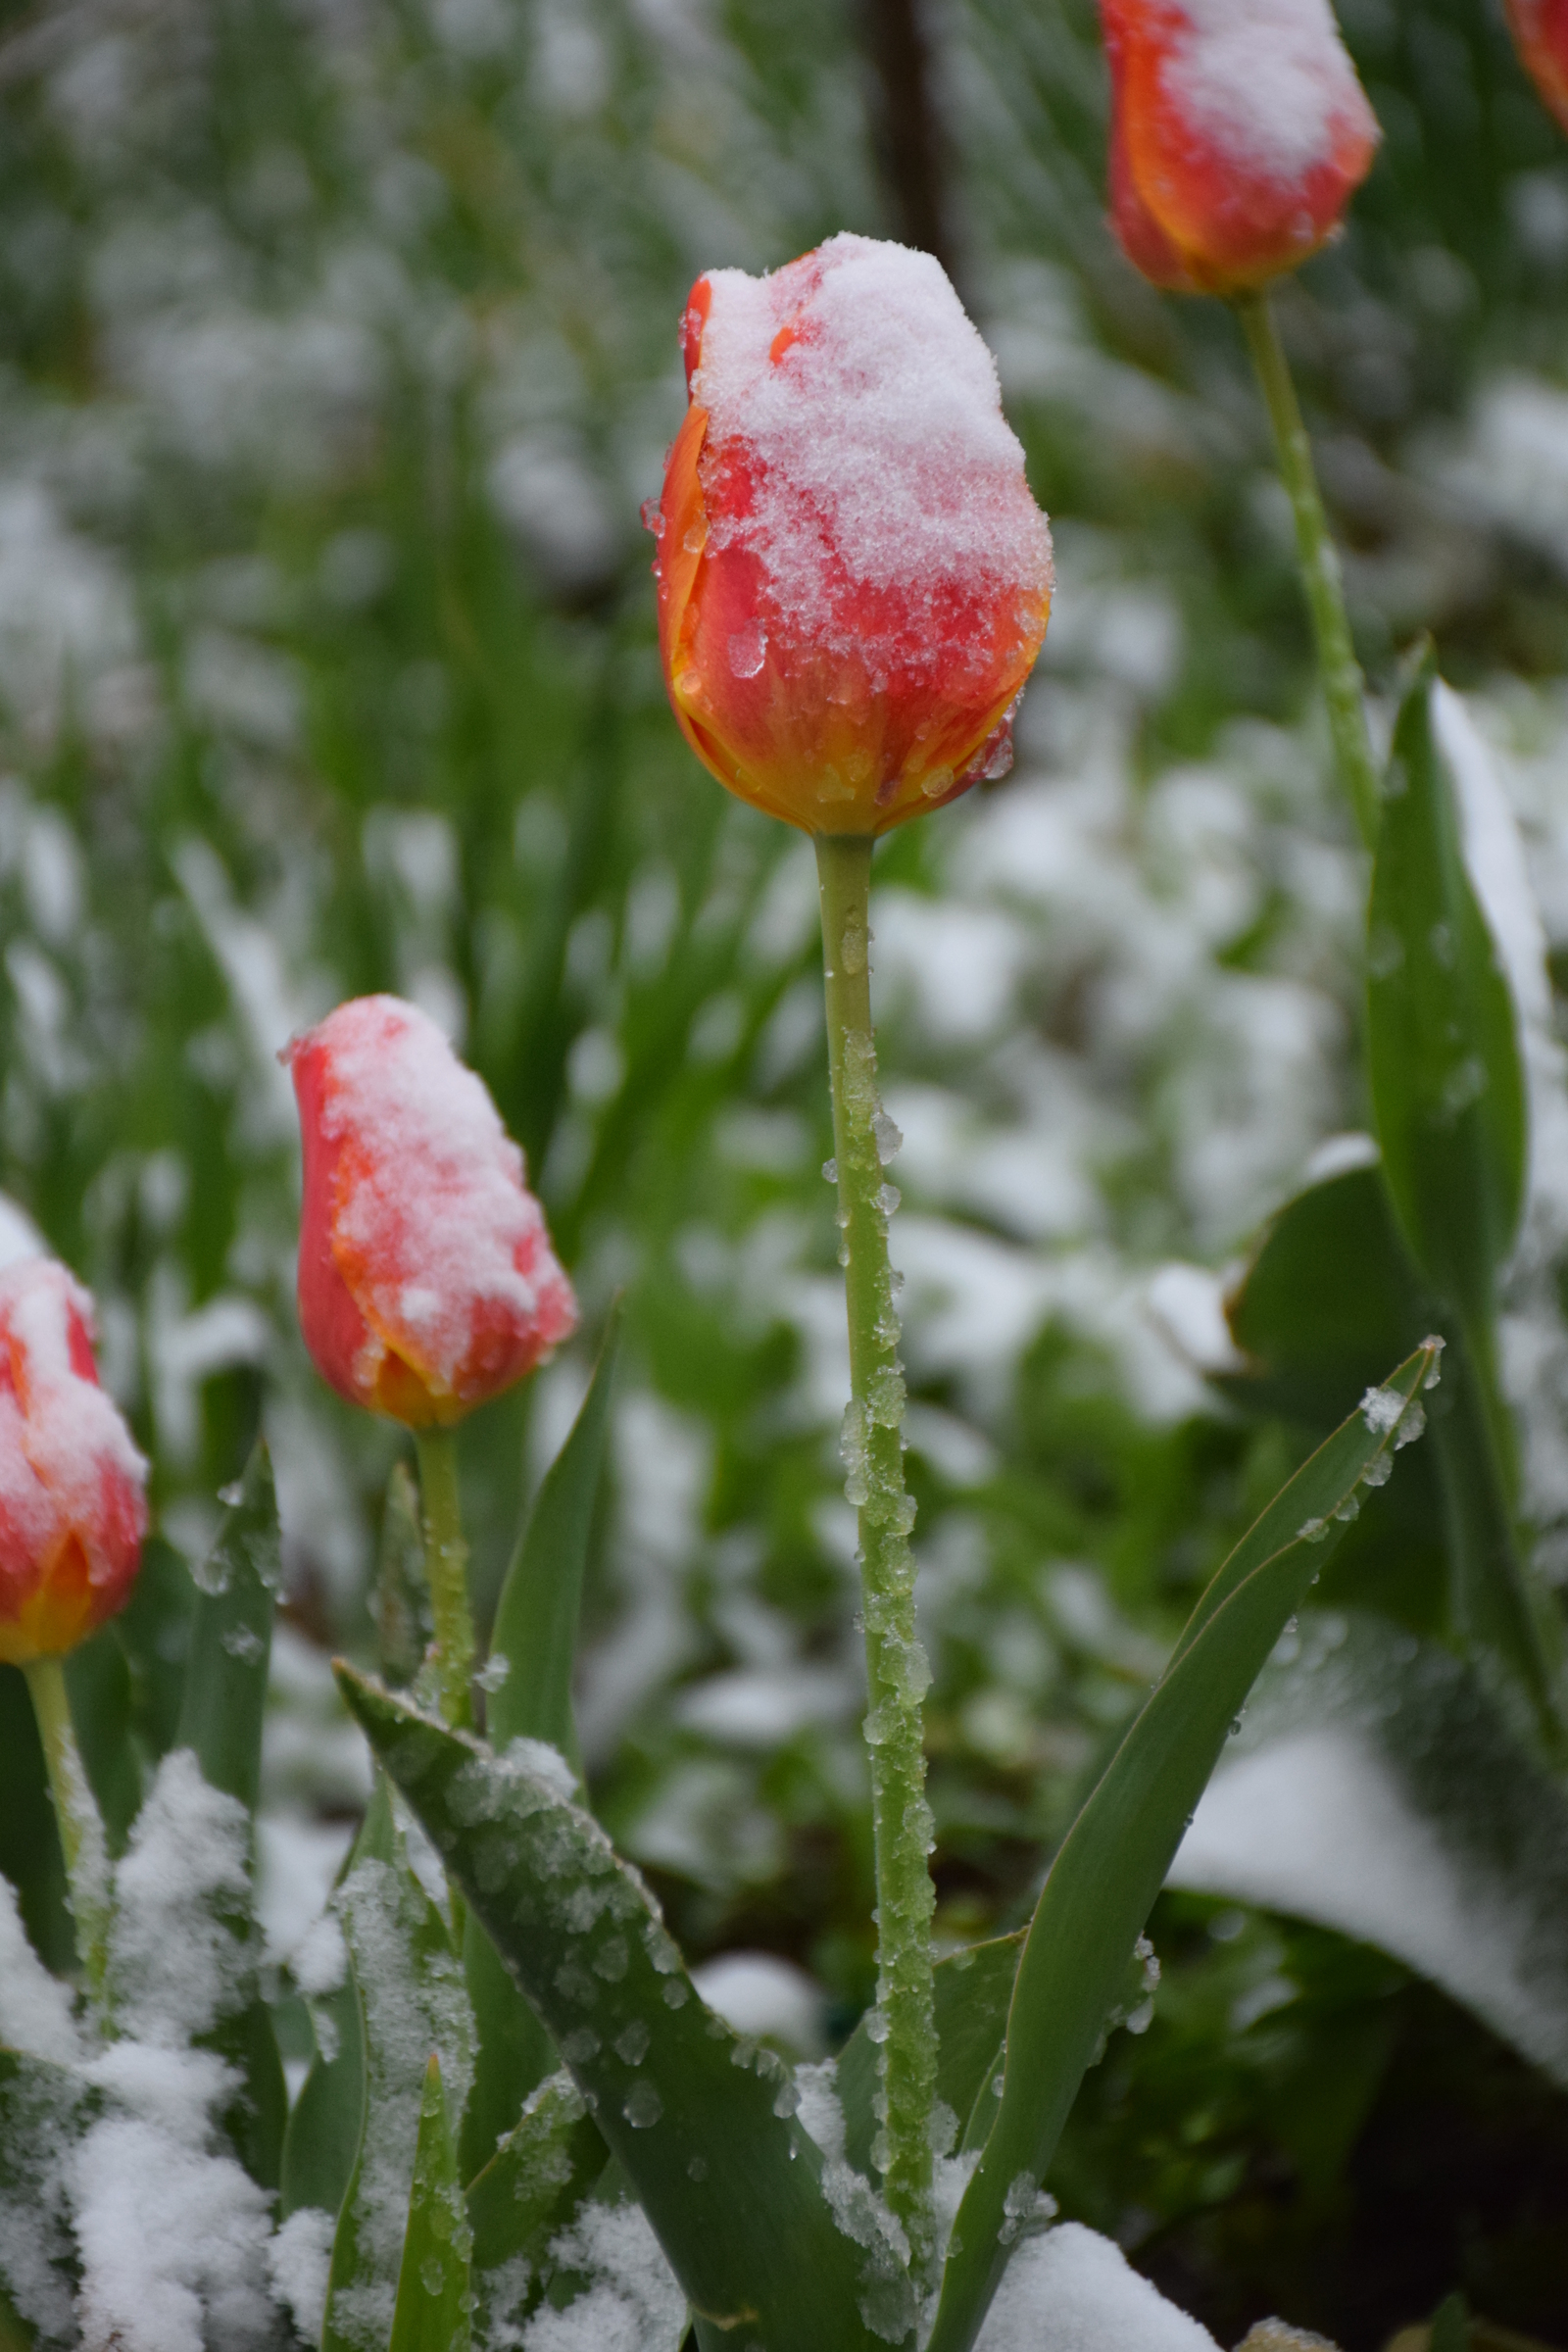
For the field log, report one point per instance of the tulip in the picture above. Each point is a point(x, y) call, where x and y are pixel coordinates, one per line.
point(853, 579)
point(1540, 29)
point(72, 1509)
point(1239, 133)
point(426, 1278)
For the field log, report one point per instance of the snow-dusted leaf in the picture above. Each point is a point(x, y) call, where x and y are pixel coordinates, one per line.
point(1116, 1856)
point(433, 2303)
point(533, 1649)
point(701, 2121)
point(221, 1724)
point(1376, 1788)
point(413, 2004)
point(45, 2110)
point(527, 2194)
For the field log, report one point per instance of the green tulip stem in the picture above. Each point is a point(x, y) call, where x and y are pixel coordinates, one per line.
point(446, 1566)
point(1344, 687)
point(897, 1673)
point(80, 1823)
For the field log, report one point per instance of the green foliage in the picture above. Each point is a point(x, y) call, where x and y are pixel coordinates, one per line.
point(435, 2302)
point(1442, 1045)
point(528, 2192)
point(701, 2121)
point(1104, 1882)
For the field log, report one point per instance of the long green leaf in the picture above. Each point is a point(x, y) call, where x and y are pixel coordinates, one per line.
point(973, 1990)
point(535, 1633)
point(433, 2303)
point(533, 1648)
point(411, 2003)
point(1114, 1859)
point(220, 1720)
point(527, 2194)
point(232, 1638)
point(1442, 1045)
point(701, 2121)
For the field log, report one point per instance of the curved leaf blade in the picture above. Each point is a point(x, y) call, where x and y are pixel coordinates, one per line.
point(535, 1633)
point(701, 2121)
point(433, 2304)
point(527, 2194)
point(1115, 1857)
point(1443, 1041)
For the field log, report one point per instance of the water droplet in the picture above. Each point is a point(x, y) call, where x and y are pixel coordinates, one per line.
point(643, 2107)
point(748, 651)
point(937, 783)
point(889, 1140)
point(631, 2042)
point(830, 1171)
point(697, 2167)
point(652, 516)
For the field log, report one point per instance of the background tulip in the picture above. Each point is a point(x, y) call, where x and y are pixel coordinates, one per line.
point(1540, 29)
point(72, 1484)
point(1239, 133)
point(426, 1278)
point(854, 578)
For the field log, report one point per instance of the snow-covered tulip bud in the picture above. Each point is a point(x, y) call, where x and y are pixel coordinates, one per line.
point(426, 1278)
point(1540, 29)
point(73, 1500)
point(854, 578)
point(1239, 133)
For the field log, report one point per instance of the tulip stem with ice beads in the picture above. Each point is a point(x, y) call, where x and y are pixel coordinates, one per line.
point(446, 1567)
point(897, 1673)
point(1344, 687)
point(76, 1816)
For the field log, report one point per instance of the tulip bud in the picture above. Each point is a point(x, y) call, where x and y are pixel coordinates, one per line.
point(853, 579)
point(72, 1512)
point(1239, 133)
point(1540, 29)
point(426, 1278)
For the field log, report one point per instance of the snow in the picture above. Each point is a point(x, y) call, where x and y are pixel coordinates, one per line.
point(764, 1998)
point(1072, 2290)
point(18, 1235)
point(299, 2260)
point(34, 2006)
point(1365, 1792)
point(875, 437)
point(171, 2233)
point(1268, 82)
point(433, 1226)
point(632, 2302)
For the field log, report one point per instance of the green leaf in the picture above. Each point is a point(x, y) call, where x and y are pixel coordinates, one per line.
point(220, 1721)
point(1443, 1045)
point(701, 2121)
point(98, 1685)
point(527, 2194)
point(1315, 1345)
point(973, 1990)
point(535, 1633)
point(29, 1842)
point(1385, 1748)
point(411, 2003)
point(404, 1622)
point(536, 1617)
point(153, 1629)
point(232, 1638)
point(433, 2304)
point(1327, 1301)
point(1114, 1859)
point(322, 2138)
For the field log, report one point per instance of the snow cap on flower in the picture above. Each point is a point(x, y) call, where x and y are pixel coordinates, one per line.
point(426, 1278)
point(72, 1509)
point(854, 578)
point(1239, 133)
point(1540, 29)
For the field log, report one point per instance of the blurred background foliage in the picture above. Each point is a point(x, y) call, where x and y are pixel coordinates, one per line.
point(336, 357)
